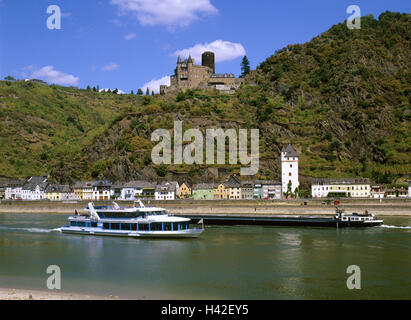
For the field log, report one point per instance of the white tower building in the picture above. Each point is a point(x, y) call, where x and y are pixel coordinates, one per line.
point(289, 169)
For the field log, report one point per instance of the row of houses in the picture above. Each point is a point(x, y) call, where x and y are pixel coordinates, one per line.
point(37, 188)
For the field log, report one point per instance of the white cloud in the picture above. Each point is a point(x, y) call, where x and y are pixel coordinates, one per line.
point(171, 13)
point(50, 75)
point(154, 85)
point(129, 36)
point(224, 51)
point(111, 66)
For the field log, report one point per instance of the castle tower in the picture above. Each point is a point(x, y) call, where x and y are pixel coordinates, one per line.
point(208, 60)
point(190, 60)
point(289, 169)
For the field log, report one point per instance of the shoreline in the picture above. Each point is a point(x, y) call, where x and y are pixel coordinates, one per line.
point(387, 207)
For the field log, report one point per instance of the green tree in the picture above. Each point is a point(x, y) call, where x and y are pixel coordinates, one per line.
point(245, 67)
point(9, 78)
point(152, 93)
point(148, 92)
point(132, 92)
point(139, 92)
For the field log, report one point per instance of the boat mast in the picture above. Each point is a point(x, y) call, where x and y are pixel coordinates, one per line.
point(93, 213)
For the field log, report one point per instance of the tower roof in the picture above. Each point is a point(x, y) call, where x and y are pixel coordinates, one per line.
point(290, 151)
point(179, 60)
point(190, 60)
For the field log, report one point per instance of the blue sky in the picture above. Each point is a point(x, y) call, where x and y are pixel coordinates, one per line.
point(125, 44)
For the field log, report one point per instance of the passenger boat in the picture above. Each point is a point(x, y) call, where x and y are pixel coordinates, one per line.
point(138, 221)
point(340, 220)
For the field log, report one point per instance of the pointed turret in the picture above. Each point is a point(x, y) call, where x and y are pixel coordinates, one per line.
point(179, 60)
point(190, 60)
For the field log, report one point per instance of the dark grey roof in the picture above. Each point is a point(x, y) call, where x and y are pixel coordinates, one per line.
point(271, 183)
point(290, 151)
point(140, 185)
point(247, 183)
point(233, 179)
point(232, 185)
point(84, 184)
point(267, 182)
point(102, 183)
point(32, 183)
point(167, 186)
point(58, 188)
point(204, 186)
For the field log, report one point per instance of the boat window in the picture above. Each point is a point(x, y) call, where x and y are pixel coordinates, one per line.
point(167, 226)
point(134, 227)
point(106, 226)
point(157, 226)
point(125, 226)
point(94, 224)
point(143, 227)
point(115, 226)
point(77, 224)
point(122, 215)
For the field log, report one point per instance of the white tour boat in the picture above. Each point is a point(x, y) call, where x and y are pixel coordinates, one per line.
point(137, 221)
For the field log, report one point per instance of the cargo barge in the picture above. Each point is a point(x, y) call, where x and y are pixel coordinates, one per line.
point(340, 220)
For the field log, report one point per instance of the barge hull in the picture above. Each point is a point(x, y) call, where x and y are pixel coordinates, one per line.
point(282, 221)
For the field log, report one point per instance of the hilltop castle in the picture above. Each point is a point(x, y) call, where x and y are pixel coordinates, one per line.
point(187, 75)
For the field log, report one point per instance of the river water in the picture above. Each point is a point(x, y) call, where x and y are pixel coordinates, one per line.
point(225, 263)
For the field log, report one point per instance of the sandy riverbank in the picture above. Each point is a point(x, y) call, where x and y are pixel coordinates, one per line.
point(21, 294)
point(301, 207)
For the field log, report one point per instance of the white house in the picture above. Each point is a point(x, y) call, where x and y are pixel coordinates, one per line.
point(83, 190)
point(135, 190)
point(352, 188)
point(13, 190)
point(271, 190)
point(167, 191)
point(102, 190)
point(289, 170)
point(377, 192)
